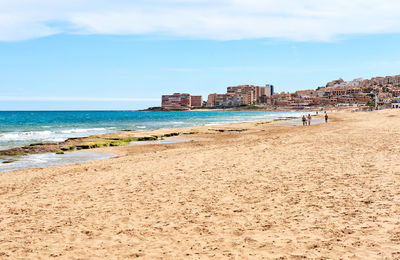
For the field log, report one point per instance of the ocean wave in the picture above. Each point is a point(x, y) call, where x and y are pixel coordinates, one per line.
point(13, 136)
point(47, 135)
point(141, 126)
point(81, 130)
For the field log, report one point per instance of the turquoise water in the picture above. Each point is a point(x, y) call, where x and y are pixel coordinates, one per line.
point(26, 127)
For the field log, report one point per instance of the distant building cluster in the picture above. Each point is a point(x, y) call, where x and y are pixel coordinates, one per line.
point(357, 92)
point(235, 96)
point(243, 95)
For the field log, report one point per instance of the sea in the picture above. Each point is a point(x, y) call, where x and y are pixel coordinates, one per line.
point(19, 128)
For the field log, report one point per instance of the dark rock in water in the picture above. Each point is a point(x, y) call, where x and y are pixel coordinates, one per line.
point(170, 134)
point(147, 138)
point(191, 133)
point(154, 109)
point(128, 130)
point(37, 144)
point(9, 161)
point(165, 109)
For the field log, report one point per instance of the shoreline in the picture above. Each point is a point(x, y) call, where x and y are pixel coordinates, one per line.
point(49, 146)
point(12, 139)
point(128, 138)
point(48, 132)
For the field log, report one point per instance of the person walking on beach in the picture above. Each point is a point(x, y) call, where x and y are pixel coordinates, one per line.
point(326, 117)
point(309, 119)
point(304, 120)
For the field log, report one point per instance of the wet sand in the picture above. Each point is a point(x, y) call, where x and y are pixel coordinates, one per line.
point(323, 191)
point(41, 160)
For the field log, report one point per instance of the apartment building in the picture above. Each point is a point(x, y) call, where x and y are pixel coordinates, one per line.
point(181, 100)
point(251, 94)
point(225, 100)
point(350, 91)
point(248, 92)
point(338, 92)
point(196, 101)
point(267, 91)
point(176, 100)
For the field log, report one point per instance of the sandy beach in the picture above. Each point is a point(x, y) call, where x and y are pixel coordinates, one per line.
point(273, 191)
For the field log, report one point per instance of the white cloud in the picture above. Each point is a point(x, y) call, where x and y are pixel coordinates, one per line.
point(88, 99)
point(301, 20)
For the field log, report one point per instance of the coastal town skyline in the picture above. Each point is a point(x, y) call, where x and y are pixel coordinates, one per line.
point(377, 91)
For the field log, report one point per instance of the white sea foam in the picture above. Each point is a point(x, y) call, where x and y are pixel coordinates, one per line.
point(14, 136)
point(20, 138)
point(82, 130)
point(141, 127)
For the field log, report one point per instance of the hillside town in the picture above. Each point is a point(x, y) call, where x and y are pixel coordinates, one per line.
point(374, 92)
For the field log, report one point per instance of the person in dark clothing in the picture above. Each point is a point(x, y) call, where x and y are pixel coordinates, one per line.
point(304, 120)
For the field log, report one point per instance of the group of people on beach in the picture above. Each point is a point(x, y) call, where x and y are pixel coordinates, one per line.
point(307, 120)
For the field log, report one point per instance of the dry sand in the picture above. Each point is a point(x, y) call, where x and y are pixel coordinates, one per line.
point(324, 191)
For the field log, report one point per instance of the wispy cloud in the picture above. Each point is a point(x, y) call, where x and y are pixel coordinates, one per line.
point(299, 20)
point(88, 99)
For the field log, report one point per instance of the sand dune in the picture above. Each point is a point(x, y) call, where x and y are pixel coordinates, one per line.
point(324, 191)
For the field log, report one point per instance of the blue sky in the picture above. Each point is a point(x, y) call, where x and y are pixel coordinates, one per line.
point(126, 54)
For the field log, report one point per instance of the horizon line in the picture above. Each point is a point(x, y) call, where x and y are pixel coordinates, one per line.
point(77, 99)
